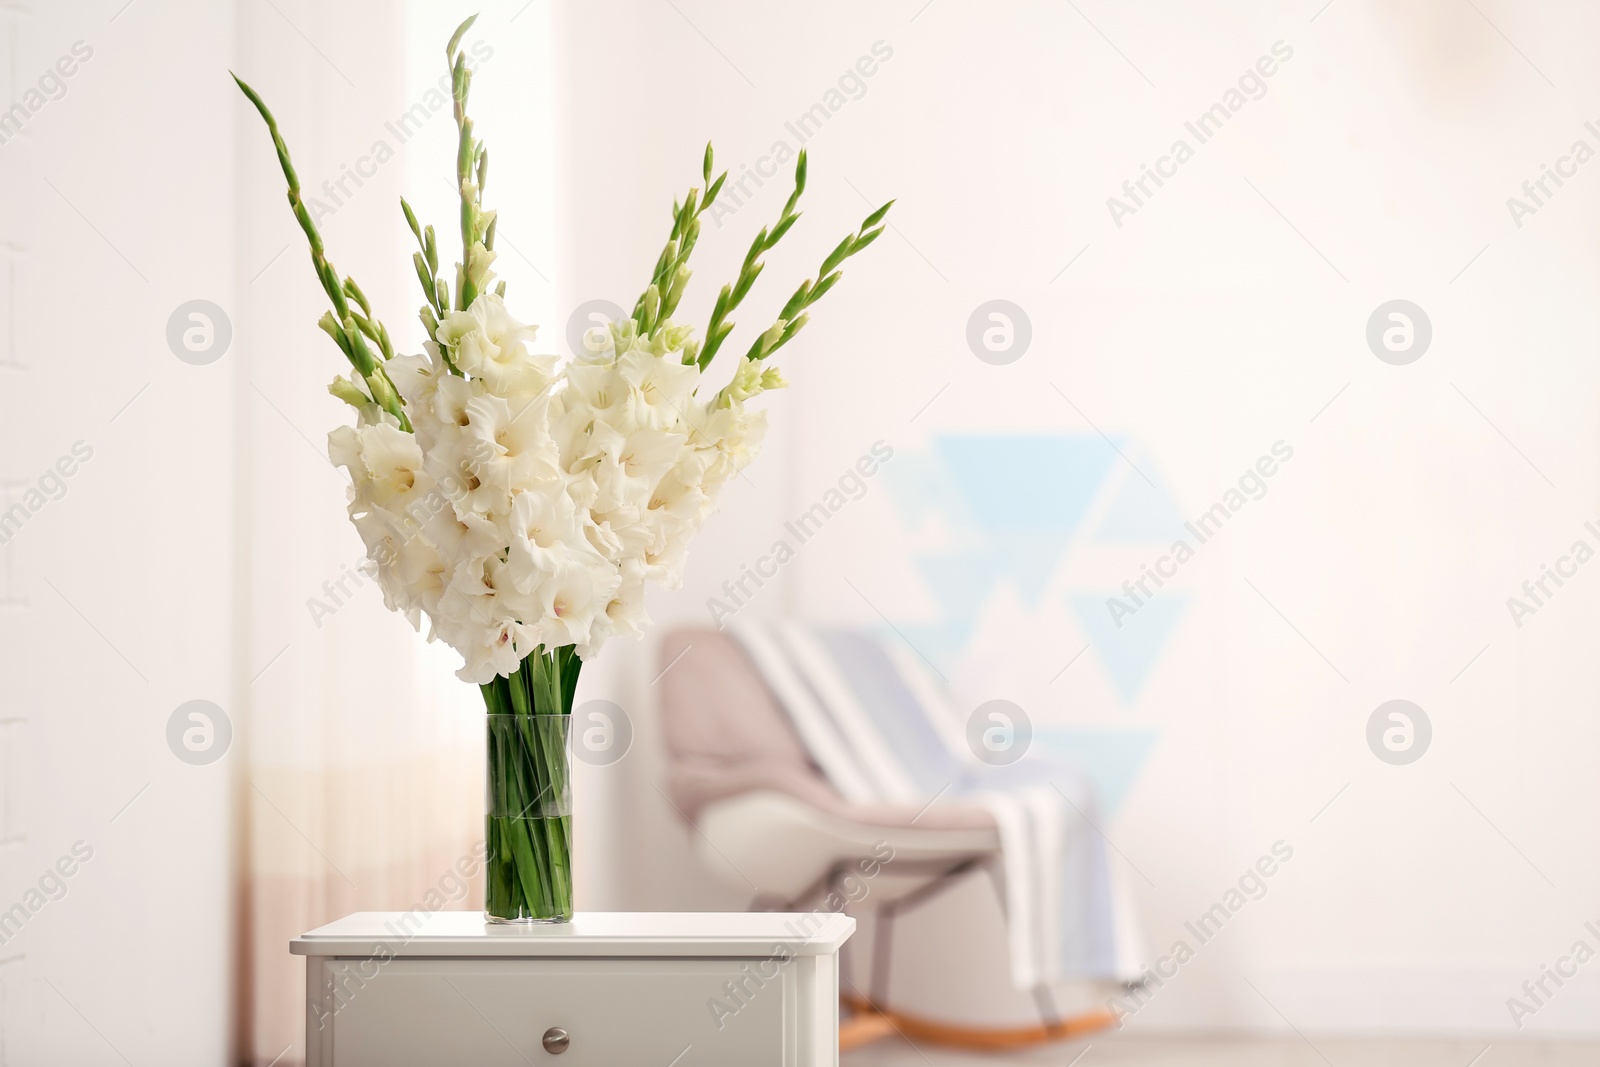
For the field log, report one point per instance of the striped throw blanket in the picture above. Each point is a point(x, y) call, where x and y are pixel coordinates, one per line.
point(882, 730)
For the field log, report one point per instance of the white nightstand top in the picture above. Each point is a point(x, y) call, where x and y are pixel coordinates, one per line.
point(596, 933)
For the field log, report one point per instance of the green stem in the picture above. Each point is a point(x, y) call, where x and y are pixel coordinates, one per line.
point(529, 826)
point(351, 341)
point(793, 318)
point(731, 296)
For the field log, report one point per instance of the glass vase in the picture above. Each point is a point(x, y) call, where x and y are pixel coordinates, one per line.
point(528, 828)
point(528, 823)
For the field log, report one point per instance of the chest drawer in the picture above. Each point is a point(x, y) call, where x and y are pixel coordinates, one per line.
point(616, 1012)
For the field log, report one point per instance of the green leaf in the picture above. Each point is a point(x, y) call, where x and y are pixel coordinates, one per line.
point(747, 281)
point(783, 228)
point(837, 256)
point(455, 38)
point(716, 187)
point(329, 326)
point(824, 285)
point(797, 301)
point(353, 291)
point(877, 216)
point(756, 248)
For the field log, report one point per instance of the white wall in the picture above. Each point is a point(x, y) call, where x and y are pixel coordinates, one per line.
point(1223, 316)
point(117, 207)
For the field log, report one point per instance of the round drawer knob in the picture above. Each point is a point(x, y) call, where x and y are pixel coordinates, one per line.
point(556, 1041)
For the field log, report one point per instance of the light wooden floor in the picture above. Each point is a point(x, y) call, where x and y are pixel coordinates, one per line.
point(1143, 1051)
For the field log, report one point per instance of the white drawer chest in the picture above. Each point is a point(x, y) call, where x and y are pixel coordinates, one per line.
point(609, 989)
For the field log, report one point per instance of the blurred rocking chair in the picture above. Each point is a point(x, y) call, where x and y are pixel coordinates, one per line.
point(766, 817)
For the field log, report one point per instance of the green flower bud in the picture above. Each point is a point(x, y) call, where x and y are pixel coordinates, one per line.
point(746, 384)
point(479, 260)
point(675, 290)
point(330, 326)
point(382, 392)
point(622, 334)
point(773, 335)
point(346, 390)
point(797, 325)
point(676, 336)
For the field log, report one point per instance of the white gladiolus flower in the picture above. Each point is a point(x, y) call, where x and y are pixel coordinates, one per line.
point(489, 344)
point(571, 597)
point(467, 493)
point(416, 377)
point(679, 493)
point(598, 388)
point(544, 528)
point(662, 384)
point(457, 537)
point(448, 409)
point(626, 469)
point(625, 612)
point(736, 435)
point(385, 538)
point(506, 643)
point(394, 465)
point(507, 444)
point(385, 463)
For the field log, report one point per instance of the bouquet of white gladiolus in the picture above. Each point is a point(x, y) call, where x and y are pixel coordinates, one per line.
point(522, 504)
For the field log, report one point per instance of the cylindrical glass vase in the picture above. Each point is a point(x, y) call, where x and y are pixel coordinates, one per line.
point(528, 828)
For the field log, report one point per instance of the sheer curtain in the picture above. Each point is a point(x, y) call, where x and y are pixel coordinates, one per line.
point(361, 785)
